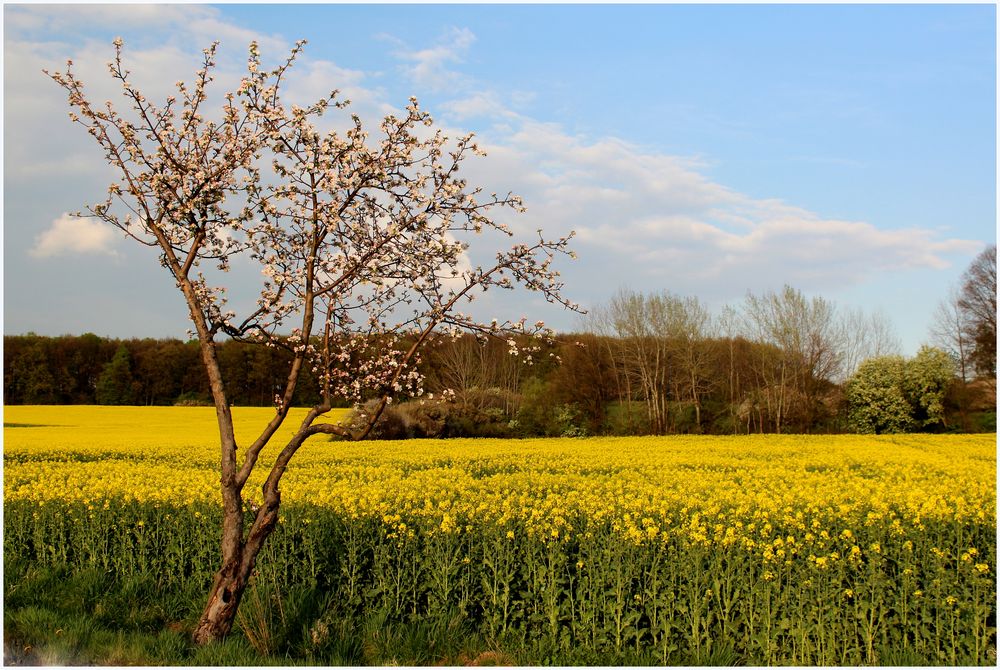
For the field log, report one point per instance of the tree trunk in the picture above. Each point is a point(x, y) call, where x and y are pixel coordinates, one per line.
point(237, 565)
point(223, 601)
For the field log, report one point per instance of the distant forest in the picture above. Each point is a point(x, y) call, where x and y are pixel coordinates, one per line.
point(580, 384)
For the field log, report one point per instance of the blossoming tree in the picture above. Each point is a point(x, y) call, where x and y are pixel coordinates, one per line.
point(362, 242)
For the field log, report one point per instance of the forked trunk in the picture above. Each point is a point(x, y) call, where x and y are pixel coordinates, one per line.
point(231, 580)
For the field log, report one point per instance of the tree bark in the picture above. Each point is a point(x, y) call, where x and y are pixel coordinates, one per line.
point(223, 601)
point(232, 579)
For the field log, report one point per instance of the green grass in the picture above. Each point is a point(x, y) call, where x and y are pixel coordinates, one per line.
point(54, 617)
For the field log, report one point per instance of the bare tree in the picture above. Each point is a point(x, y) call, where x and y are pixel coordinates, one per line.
point(806, 334)
point(978, 299)
point(687, 329)
point(469, 366)
point(639, 322)
point(600, 322)
point(659, 347)
point(728, 325)
point(363, 243)
point(951, 330)
point(864, 335)
point(460, 365)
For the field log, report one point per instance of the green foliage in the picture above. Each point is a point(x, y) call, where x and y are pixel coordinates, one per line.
point(480, 413)
point(876, 400)
point(115, 385)
point(569, 421)
point(540, 413)
point(55, 616)
point(65, 370)
point(985, 422)
point(578, 396)
point(536, 414)
point(683, 417)
point(928, 376)
point(583, 394)
point(890, 394)
point(31, 378)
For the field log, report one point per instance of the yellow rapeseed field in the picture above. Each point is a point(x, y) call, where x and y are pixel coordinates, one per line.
point(709, 489)
point(788, 549)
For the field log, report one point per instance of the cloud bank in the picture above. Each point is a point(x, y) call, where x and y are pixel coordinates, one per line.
point(643, 218)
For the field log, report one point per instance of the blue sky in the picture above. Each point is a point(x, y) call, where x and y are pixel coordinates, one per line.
point(849, 151)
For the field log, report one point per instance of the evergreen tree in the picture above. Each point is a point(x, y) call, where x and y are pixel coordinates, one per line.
point(115, 385)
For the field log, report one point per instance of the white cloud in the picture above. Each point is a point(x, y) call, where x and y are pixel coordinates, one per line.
point(74, 235)
point(186, 23)
point(313, 79)
point(643, 217)
point(648, 218)
point(69, 17)
point(483, 104)
point(430, 66)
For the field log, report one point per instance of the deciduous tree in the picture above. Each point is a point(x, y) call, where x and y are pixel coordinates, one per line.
point(364, 243)
point(876, 399)
point(809, 338)
point(640, 323)
point(978, 298)
point(889, 394)
point(928, 376)
point(864, 335)
point(952, 331)
point(30, 379)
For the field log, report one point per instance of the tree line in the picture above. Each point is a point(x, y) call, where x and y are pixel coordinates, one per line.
point(88, 369)
point(645, 363)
